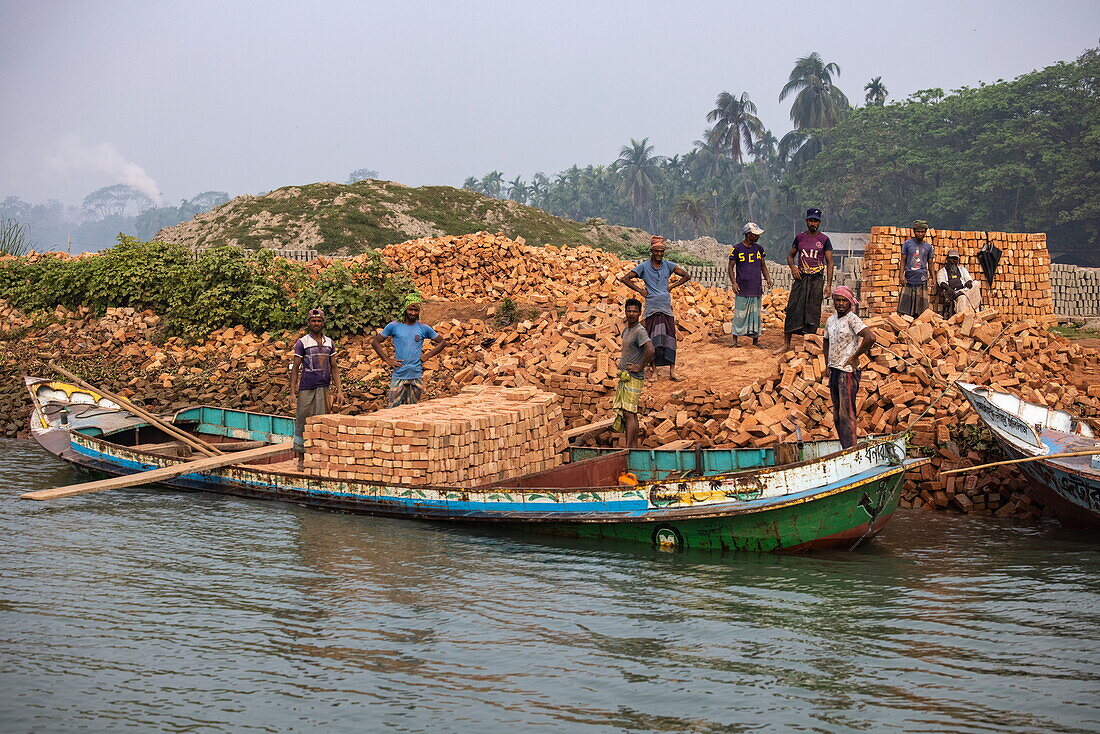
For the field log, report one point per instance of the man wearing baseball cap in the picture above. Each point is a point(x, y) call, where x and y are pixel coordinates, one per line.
point(811, 263)
point(747, 268)
point(311, 374)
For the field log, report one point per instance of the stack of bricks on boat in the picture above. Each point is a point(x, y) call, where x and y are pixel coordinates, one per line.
point(483, 434)
point(565, 341)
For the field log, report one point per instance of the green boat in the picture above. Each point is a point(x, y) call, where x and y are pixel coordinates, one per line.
point(793, 497)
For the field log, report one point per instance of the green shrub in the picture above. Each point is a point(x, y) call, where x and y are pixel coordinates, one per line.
point(358, 298)
point(225, 286)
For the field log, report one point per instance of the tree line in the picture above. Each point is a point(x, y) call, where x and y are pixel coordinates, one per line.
point(1010, 155)
point(96, 223)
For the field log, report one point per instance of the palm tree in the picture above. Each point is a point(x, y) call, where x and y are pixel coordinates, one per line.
point(491, 184)
point(818, 103)
point(736, 123)
point(518, 190)
point(707, 157)
point(472, 184)
point(796, 148)
point(539, 188)
point(639, 171)
point(692, 212)
point(876, 92)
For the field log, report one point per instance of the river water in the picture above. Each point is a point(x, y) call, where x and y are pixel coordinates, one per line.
point(162, 610)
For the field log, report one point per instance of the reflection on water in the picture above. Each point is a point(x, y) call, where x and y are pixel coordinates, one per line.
point(167, 610)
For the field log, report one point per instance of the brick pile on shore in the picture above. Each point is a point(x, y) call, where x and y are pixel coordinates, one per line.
point(570, 347)
point(483, 434)
point(1021, 287)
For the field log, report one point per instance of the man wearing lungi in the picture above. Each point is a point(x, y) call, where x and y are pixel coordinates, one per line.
point(637, 353)
point(811, 263)
point(311, 373)
point(656, 275)
point(846, 338)
point(960, 291)
point(916, 259)
point(747, 268)
point(408, 342)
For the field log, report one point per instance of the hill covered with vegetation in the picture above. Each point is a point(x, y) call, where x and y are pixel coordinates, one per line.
point(350, 218)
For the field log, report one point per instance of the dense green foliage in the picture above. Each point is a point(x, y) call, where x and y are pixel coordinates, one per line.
point(224, 286)
point(1018, 156)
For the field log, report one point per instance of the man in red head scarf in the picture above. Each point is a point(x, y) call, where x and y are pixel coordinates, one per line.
point(846, 338)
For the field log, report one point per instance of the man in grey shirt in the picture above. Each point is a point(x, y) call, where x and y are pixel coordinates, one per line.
point(637, 353)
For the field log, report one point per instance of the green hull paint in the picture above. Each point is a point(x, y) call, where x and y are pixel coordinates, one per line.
point(839, 519)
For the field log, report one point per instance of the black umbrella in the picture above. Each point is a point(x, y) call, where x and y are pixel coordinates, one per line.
point(988, 257)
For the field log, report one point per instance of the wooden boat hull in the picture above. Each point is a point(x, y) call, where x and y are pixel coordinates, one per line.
point(832, 501)
point(1069, 487)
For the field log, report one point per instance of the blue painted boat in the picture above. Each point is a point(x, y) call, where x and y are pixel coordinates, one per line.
point(793, 497)
point(1069, 486)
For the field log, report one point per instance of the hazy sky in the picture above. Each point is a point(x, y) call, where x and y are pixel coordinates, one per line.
point(183, 97)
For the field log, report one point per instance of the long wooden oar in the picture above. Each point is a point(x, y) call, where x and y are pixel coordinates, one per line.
point(196, 443)
point(1090, 452)
point(157, 475)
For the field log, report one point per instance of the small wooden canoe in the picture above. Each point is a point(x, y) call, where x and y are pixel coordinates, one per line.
point(1069, 486)
point(818, 496)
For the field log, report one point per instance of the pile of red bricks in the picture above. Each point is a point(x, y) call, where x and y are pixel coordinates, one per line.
point(483, 434)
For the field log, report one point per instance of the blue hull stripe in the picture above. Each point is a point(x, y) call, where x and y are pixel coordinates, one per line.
point(629, 508)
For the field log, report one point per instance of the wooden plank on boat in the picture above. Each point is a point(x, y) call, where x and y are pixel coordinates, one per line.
point(193, 441)
point(678, 445)
point(157, 475)
point(1067, 455)
point(588, 428)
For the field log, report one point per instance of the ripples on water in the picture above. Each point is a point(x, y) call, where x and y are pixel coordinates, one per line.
point(188, 612)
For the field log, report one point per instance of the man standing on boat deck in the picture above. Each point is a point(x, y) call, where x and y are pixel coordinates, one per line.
point(408, 342)
point(747, 265)
point(656, 275)
point(916, 259)
point(811, 264)
point(846, 338)
point(311, 374)
point(637, 352)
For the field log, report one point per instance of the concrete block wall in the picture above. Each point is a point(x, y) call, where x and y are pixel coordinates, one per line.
point(1076, 290)
point(781, 275)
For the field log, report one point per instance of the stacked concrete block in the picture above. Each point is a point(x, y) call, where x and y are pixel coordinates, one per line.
point(1076, 290)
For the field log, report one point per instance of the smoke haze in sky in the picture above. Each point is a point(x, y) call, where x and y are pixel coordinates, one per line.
point(71, 156)
point(183, 97)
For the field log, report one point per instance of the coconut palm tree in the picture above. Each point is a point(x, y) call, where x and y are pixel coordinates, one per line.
point(736, 123)
point(692, 212)
point(472, 184)
point(639, 170)
point(708, 156)
point(818, 102)
point(796, 148)
point(492, 183)
point(876, 92)
point(540, 187)
point(518, 190)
